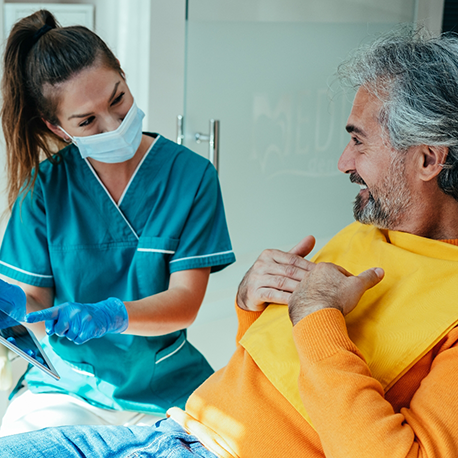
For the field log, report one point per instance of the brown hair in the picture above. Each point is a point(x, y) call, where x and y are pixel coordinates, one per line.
point(40, 55)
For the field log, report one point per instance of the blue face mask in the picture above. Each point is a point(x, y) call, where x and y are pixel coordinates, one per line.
point(119, 145)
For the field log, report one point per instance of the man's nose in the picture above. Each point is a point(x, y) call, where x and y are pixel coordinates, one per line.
point(346, 162)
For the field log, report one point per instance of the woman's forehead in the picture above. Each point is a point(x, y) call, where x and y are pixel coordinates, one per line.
point(87, 90)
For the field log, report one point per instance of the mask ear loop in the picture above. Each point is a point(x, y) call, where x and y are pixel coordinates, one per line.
point(68, 140)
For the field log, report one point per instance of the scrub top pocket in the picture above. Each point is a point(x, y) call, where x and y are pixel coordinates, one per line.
point(151, 262)
point(178, 365)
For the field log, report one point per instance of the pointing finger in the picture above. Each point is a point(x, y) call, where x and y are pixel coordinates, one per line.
point(42, 315)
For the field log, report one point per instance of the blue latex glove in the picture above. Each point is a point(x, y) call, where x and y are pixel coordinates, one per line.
point(82, 322)
point(12, 303)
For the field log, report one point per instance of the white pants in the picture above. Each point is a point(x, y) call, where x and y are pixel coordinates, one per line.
point(31, 411)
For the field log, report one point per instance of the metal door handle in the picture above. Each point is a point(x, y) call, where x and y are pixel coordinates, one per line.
point(180, 134)
point(213, 142)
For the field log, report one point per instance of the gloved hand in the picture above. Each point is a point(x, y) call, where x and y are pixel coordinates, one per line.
point(12, 304)
point(82, 322)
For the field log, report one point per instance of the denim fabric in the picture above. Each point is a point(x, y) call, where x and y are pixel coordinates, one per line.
point(164, 440)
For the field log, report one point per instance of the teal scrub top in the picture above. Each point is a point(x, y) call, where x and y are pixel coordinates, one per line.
point(70, 235)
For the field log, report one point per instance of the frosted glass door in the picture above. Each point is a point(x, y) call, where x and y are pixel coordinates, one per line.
point(263, 68)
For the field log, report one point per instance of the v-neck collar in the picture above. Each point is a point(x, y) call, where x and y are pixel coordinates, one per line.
point(111, 198)
point(135, 171)
point(118, 205)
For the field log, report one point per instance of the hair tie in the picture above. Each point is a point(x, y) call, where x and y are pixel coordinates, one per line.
point(40, 32)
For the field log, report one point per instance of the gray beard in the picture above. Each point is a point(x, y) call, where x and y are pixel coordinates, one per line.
point(372, 213)
point(392, 200)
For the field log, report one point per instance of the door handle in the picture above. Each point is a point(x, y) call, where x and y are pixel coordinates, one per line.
point(180, 134)
point(213, 142)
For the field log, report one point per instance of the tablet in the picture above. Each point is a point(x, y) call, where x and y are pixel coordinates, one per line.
point(23, 342)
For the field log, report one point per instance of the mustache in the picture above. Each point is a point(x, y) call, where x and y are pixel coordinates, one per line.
point(355, 178)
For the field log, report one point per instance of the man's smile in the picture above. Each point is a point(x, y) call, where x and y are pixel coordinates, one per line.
point(356, 178)
point(363, 188)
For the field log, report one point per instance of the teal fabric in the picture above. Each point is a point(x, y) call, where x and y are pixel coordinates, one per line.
point(70, 235)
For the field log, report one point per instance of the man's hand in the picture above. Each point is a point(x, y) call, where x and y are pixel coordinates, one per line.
point(274, 276)
point(330, 286)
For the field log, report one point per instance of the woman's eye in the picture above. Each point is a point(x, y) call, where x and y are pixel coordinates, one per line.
point(87, 122)
point(117, 99)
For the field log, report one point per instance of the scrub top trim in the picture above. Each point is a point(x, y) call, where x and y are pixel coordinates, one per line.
point(117, 205)
point(172, 353)
point(216, 261)
point(201, 256)
point(155, 250)
point(24, 271)
point(111, 198)
point(136, 171)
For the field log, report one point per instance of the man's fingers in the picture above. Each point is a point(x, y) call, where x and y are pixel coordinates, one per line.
point(274, 296)
point(290, 271)
point(279, 283)
point(304, 247)
point(274, 273)
point(286, 259)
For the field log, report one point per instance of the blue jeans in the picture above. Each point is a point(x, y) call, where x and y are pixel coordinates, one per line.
point(166, 439)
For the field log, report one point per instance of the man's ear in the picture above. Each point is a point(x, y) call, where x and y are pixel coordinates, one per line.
point(431, 160)
point(56, 130)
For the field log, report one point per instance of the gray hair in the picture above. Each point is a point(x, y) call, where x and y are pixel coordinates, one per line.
point(416, 78)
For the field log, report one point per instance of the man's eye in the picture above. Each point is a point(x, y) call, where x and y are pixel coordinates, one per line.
point(356, 141)
point(117, 99)
point(87, 122)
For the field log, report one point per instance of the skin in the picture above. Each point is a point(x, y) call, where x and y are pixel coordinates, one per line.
point(96, 100)
point(368, 158)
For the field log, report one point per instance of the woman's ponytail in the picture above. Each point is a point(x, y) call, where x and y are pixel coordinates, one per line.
point(25, 133)
point(39, 56)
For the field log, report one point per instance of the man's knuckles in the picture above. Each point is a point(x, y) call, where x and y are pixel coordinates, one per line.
point(266, 255)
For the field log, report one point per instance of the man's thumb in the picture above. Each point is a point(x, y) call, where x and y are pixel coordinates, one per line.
point(304, 247)
point(372, 277)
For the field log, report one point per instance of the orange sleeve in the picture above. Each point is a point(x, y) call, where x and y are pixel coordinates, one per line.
point(348, 407)
point(245, 320)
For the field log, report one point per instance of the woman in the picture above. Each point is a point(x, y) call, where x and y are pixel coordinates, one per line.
point(117, 232)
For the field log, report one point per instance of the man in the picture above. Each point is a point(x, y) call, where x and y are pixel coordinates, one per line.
point(313, 379)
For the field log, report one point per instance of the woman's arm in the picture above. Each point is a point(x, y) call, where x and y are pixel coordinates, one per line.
point(155, 315)
point(170, 310)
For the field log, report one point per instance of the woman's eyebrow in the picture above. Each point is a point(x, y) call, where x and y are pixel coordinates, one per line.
point(114, 91)
point(112, 96)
